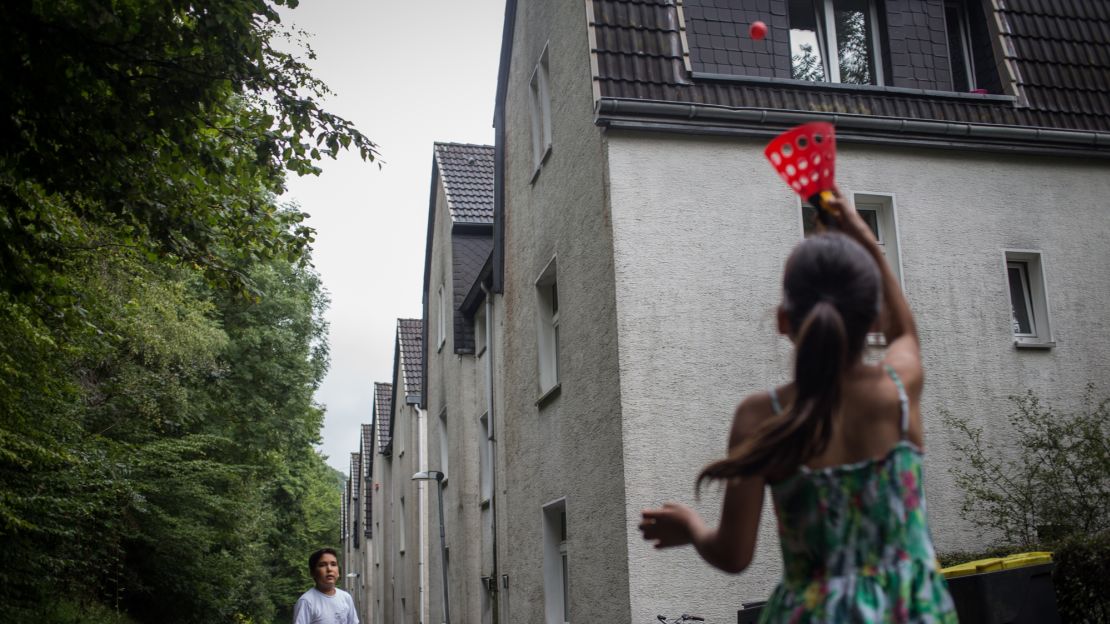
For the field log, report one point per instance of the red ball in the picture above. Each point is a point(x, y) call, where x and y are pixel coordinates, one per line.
point(758, 30)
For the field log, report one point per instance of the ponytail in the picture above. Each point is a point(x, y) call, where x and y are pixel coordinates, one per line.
point(791, 437)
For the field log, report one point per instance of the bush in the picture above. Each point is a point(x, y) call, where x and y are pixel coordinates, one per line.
point(1057, 485)
point(69, 611)
point(1082, 578)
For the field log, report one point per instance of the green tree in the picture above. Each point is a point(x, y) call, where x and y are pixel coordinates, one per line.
point(156, 425)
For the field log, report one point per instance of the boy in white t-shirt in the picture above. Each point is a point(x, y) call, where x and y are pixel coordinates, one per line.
point(325, 603)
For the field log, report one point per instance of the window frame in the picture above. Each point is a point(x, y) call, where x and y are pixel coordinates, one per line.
point(963, 28)
point(547, 329)
point(1036, 290)
point(485, 461)
point(444, 445)
point(556, 571)
point(824, 14)
point(539, 91)
point(889, 239)
point(401, 531)
point(441, 320)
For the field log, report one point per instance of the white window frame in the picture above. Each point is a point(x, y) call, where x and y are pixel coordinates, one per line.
point(443, 444)
point(485, 456)
point(540, 97)
point(402, 435)
point(830, 57)
point(1040, 317)
point(889, 238)
point(556, 573)
point(401, 542)
point(480, 339)
point(547, 327)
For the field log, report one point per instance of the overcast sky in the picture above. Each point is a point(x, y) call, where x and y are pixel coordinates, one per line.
point(407, 74)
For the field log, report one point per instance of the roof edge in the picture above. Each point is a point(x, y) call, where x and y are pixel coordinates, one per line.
point(709, 119)
point(476, 295)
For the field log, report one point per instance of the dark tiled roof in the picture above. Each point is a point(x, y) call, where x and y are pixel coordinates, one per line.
point(356, 470)
point(467, 173)
point(468, 253)
point(383, 413)
point(1059, 52)
point(366, 449)
point(366, 452)
point(343, 512)
point(410, 339)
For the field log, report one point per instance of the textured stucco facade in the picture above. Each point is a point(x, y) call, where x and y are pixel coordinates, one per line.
point(698, 277)
point(569, 446)
point(453, 399)
point(404, 505)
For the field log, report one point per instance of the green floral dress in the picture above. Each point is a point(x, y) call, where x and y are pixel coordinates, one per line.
point(855, 542)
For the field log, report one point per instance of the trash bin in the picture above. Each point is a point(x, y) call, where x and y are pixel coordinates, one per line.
point(750, 613)
point(1011, 590)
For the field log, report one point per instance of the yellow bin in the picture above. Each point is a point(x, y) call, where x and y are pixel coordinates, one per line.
point(980, 566)
point(1021, 560)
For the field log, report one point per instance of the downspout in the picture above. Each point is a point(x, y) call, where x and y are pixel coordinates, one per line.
point(495, 610)
point(422, 498)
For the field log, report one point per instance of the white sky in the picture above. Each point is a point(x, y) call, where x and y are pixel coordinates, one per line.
point(407, 73)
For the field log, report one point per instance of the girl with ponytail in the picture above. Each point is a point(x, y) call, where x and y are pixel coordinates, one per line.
point(840, 447)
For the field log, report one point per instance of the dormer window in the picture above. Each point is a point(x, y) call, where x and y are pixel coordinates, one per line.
point(835, 41)
point(959, 46)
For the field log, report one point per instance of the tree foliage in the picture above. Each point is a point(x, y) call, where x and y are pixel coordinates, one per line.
point(161, 334)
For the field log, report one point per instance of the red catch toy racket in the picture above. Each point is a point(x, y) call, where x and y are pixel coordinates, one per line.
point(805, 157)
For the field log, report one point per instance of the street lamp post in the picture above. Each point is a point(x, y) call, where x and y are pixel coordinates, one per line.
point(355, 591)
point(429, 475)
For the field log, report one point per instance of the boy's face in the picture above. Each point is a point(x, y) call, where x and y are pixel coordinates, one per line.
point(326, 573)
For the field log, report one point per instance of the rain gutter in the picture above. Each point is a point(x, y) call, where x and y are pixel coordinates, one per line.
point(704, 119)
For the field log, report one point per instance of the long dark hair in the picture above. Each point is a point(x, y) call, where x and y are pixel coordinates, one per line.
point(831, 294)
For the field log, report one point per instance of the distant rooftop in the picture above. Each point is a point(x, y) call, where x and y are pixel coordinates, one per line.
point(467, 173)
point(383, 413)
point(410, 337)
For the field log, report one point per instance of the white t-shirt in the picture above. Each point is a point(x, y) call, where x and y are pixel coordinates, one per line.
point(316, 607)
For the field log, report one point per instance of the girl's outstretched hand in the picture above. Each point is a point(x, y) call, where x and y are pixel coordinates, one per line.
point(673, 524)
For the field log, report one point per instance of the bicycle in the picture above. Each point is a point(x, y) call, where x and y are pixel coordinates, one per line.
point(682, 618)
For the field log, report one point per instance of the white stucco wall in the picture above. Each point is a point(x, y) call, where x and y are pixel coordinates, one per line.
point(701, 228)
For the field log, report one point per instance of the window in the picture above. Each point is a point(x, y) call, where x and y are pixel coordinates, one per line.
point(402, 434)
point(441, 320)
point(480, 342)
point(541, 111)
point(485, 456)
point(402, 521)
point(878, 211)
point(1029, 320)
point(547, 290)
point(835, 41)
point(556, 574)
point(443, 444)
point(959, 46)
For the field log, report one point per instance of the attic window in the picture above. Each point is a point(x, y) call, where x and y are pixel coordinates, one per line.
point(844, 30)
point(541, 112)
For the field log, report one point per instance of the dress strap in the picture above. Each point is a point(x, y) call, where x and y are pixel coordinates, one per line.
point(903, 399)
point(775, 405)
